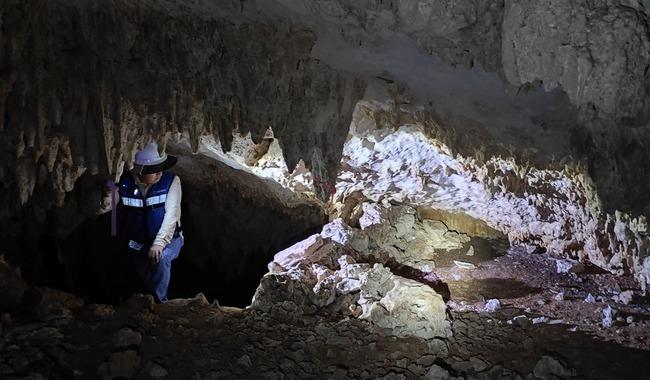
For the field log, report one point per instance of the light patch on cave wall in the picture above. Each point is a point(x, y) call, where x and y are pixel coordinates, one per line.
point(555, 209)
point(271, 165)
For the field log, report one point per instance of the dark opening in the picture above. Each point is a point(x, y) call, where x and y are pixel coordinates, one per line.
point(233, 223)
point(97, 267)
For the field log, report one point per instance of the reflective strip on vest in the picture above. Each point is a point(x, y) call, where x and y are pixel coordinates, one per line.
point(158, 199)
point(133, 202)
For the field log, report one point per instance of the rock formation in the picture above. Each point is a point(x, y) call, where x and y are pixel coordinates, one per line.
point(473, 157)
point(84, 84)
point(320, 273)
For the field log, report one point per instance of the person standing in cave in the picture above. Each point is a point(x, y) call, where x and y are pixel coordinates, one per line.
point(150, 214)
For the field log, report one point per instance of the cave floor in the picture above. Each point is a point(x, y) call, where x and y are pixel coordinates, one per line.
point(529, 285)
point(557, 337)
point(545, 316)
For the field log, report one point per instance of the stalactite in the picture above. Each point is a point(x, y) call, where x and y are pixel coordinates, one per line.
point(99, 80)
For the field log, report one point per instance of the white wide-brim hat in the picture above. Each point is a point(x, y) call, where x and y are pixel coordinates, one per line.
point(148, 160)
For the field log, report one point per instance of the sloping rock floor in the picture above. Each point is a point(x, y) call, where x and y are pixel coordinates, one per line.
point(56, 336)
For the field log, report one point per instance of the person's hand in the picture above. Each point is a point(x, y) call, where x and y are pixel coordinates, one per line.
point(155, 254)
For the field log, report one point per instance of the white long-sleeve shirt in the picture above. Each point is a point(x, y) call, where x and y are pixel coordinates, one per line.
point(172, 216)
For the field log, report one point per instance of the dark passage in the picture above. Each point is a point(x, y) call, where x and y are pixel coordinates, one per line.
point(98, 268)
point(233, 223)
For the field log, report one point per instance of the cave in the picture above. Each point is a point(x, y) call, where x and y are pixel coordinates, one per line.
point(370, 189)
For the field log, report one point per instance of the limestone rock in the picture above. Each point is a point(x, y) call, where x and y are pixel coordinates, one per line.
point(408, 308)
point(293, 255)
point(492, 305)
point(559, 210)
point(372, 215)
point(244, 361)
point(101, 312)
point(36, 332)
point(403, 220)
point(122, 364)
point(625, 297)
point(12, 287)
point(459, 222)
point(548, 368)
point(588, 52)
point(198, 300)
point(426, 360)
point(318, 272)
point(406, 239)
point(282, 291)
point(437, 373)
point(464, 264)
point(564, 266)
point(337, 231)
point(442, 237)
point(155, 370)
point(140, 302)
point(126, 337)
point(522, 321)
point(607, 314)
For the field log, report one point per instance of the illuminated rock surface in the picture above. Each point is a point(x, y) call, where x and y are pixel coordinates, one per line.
point(483, 163)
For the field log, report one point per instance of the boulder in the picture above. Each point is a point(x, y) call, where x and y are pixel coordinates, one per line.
point(122, 364)
point(319, 272)
point(407, 307)
point(155, 370)
point(125, 337)
point(550, 368)
point(437, 373)
point(12, 286)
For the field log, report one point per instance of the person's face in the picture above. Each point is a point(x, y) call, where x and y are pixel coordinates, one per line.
point(150, 179)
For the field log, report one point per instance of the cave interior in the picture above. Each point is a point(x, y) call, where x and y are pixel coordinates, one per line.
point(370, 189)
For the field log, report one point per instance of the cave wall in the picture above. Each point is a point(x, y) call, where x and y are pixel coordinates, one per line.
point(551, 80)
point(84, 83)
point(555, 210)
point(543, 85)
point(300, 67)
point(597, 51)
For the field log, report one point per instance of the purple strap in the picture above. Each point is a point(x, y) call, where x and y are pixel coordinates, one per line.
point(111, 185)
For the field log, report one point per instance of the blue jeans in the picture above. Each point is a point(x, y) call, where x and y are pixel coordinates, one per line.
point(156, 276)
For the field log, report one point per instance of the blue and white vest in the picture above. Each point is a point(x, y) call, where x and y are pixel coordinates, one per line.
point(144, 215)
